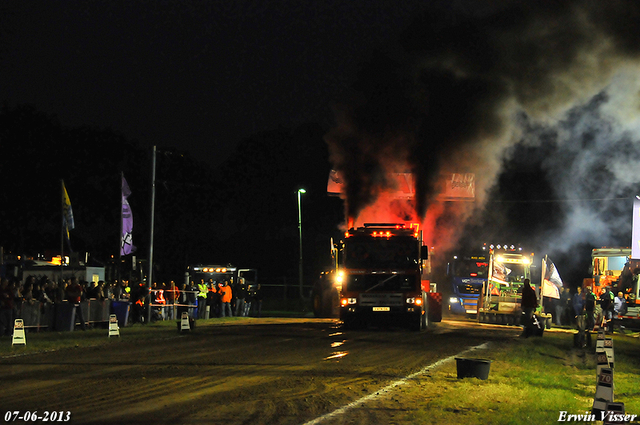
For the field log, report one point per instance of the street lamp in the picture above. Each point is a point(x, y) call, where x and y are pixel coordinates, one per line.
point(300, 192)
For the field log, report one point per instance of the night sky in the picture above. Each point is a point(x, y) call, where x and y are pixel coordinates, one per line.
point(199, 75)
point(538, 99)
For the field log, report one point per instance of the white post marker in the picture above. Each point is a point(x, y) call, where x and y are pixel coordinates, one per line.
point(184, 322)
point(18, 333)
point(602, 362)
point(604, 390)
point(114, 329)
point(615, 414)
point(608, 348)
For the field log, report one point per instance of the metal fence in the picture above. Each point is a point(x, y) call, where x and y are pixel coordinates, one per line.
point(61, 316)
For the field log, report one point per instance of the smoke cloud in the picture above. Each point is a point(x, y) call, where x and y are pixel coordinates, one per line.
point(461, 88)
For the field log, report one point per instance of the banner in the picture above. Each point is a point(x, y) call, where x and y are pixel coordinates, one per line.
point(67, 212)
point(126, 239)
point(450, 187)
point(635, 233)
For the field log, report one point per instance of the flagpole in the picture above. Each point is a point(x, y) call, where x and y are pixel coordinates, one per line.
point(153, 208)
point(61, 228)
point(542, 274)
point(121, 230)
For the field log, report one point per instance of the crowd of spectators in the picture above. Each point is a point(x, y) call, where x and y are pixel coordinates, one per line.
point(15, 295)
point(206, 299)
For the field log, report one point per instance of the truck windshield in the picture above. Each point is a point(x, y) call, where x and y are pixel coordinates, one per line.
point(380, 253)
point(466, 267)
point(509, 273)
point(381, 282)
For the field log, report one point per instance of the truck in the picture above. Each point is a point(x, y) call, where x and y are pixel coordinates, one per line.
point(220, 273)
point(382, 272)
point(502, 293)
point(614, 267)
point(466, 275)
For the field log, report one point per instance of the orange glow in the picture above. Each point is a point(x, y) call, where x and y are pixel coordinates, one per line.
point(344, 301)
point(418, 301)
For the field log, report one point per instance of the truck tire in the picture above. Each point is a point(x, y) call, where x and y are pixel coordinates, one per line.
point(420, 323)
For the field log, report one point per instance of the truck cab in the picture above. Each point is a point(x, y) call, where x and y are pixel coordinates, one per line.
point(466, 276)
point(383, 279)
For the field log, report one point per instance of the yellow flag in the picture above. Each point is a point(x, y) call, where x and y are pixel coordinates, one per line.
point(67, 212)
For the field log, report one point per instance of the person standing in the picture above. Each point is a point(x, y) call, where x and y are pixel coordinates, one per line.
point(6, 308)
point(212, 294)
point(202, 299)
point(225, 298)
point(529, 304)
point(561, 307)
point(606, 303)
point(619, 305)
point(73, 292)
point(578, 302)
point(240, 293)
point(589, 307)
point(172, 294)
point(182, 303)
point(256, 299)
point(619, 309)
point(191, 298)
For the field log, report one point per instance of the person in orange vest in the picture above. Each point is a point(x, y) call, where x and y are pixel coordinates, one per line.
point(159, 299)
point(138, 294)
point(225, 298)
point(171, 293)
point(212, 297)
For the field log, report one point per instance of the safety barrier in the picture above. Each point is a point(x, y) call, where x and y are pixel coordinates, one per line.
point(42, 316)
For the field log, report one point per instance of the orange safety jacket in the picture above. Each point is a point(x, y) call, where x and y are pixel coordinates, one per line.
point(226, 293)
point(160, 297)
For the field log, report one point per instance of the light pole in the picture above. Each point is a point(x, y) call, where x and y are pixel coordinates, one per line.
point(300, 192)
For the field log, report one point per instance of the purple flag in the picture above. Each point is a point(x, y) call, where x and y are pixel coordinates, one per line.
point(126, 239)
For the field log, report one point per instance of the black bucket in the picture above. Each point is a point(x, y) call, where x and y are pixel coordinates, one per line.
point(473, 368)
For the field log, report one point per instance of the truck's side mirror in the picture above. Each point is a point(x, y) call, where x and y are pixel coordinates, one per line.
point(424, 252)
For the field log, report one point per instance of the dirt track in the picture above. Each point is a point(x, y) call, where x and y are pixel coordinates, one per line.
point(265, 371)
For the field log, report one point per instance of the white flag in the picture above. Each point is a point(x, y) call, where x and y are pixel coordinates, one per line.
point(551, 282)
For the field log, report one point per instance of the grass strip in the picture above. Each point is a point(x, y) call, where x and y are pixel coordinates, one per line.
point(531, 381)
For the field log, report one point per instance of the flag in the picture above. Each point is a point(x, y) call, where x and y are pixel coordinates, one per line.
point(499, 273)
point(551, 281)
point(67, 213)
point(126, 238)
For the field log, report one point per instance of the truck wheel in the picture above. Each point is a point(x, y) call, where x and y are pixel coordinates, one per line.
point(334, 307)
point(418, 324)
point(349, 323)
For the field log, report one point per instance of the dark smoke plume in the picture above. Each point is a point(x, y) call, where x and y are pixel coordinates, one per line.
point(449, 96)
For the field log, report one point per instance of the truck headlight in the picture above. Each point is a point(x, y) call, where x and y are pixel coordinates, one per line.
point(453, 300)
